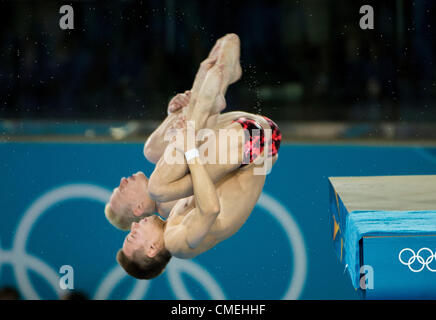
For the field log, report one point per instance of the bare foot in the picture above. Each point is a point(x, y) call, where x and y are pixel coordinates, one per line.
point(214, 52)
point(226, 51)
point(212, 82)
point(229, 55)
point(201, 75)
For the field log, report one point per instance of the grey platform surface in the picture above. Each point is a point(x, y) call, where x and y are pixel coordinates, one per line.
point(387, 193)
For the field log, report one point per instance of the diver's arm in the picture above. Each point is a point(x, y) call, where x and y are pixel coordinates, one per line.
point(207, 205)
point(174, 181)
point(196, 224)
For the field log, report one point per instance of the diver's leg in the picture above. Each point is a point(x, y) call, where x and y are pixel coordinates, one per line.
point(226, 52)
point(209, 98)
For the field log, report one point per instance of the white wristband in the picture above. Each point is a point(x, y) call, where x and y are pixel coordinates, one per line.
point(191, 154)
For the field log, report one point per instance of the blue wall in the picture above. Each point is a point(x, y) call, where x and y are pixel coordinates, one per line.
point(51, 207)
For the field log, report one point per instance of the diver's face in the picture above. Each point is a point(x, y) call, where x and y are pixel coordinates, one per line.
point(145, 235)
point(132, 193)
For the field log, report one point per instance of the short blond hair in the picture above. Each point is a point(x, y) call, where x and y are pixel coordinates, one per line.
point(120, 220)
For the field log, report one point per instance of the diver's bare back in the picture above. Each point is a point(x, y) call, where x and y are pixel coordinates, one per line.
point(238, 193)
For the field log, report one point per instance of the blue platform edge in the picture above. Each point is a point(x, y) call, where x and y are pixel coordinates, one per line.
point(377, 223)
point(338, 213)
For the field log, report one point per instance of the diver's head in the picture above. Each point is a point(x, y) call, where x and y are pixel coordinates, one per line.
point(143, 254)
point(130, 202)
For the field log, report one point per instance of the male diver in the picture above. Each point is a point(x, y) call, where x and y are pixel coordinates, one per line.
point(207, 202)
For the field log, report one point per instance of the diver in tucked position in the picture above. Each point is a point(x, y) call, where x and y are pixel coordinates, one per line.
point(130, 201)
point(207, 203)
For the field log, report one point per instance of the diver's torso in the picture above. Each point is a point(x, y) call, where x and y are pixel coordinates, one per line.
point(238, 193)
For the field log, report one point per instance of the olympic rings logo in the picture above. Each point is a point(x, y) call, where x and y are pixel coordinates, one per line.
point(421, 261)
point(21, 261)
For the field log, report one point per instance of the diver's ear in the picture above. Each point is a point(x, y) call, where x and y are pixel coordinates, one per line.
point(138, 210)
point(151, 251)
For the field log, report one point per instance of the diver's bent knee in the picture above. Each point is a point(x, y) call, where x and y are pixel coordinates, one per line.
point(156, 190)
point(150, 153)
